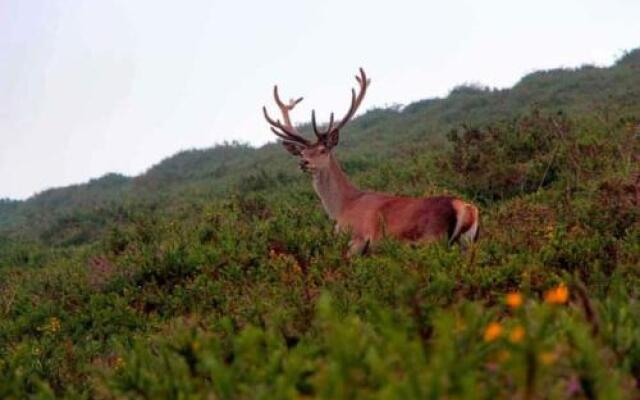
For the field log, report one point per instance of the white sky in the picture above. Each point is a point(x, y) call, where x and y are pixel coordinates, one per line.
point(89, 87)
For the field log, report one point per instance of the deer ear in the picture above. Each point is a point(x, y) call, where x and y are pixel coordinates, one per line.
point(292, 148)
point(332, 139)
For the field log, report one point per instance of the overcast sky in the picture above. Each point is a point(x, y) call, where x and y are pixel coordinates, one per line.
point(89, 87)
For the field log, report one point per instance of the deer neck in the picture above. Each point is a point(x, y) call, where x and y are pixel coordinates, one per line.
point(334, 188)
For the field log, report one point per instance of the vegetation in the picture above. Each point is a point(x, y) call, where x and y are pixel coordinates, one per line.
point(217, 275)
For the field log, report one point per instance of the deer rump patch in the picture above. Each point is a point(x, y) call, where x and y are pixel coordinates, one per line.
point(416, 219)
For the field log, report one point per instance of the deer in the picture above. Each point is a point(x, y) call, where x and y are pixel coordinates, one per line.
point(369, 216)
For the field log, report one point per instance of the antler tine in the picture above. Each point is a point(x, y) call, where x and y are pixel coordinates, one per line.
point(270, 120)
point(276, 96)
point(356, 100)
point(280, 103)
point(285, 108)
point(274, 123)
point(313, 124)
point(321, 134)
point(286, 131)
point(330, 127)
point(281, 135)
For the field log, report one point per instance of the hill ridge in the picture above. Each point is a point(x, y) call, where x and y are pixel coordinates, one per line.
point(224, 166)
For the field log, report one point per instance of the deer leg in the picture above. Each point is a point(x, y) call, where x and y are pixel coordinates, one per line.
point(357, 246)
point(336, 229)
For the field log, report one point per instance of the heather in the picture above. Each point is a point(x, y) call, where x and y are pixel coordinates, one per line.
point(216, 274)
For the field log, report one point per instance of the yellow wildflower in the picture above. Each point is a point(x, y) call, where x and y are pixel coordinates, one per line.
point(517, 334)
point(557, 295)
point(492, 332)
point(514, 300)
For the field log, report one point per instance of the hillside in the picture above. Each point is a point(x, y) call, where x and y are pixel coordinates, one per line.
point(216, 274)
point(211, 172)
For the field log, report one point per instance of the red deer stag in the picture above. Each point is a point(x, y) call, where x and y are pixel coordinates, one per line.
point(369, 216)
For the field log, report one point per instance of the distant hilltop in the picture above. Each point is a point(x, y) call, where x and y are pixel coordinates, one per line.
point(207, 173)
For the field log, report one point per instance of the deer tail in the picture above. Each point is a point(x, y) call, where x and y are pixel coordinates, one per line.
point(467, 227)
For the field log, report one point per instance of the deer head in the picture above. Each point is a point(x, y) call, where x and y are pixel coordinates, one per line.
point(314, 155)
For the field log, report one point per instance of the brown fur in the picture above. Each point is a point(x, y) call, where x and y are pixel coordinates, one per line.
point(369, 216)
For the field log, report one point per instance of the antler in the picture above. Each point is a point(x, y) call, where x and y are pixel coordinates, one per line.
point(321, 134)
point(356, 100)
point(329, 137)
point(285, 131)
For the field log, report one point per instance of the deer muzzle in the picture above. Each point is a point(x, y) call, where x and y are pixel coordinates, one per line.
point(304, 165)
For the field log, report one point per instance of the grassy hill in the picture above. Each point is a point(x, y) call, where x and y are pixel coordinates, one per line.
point(208, 173)
point(216, 273)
